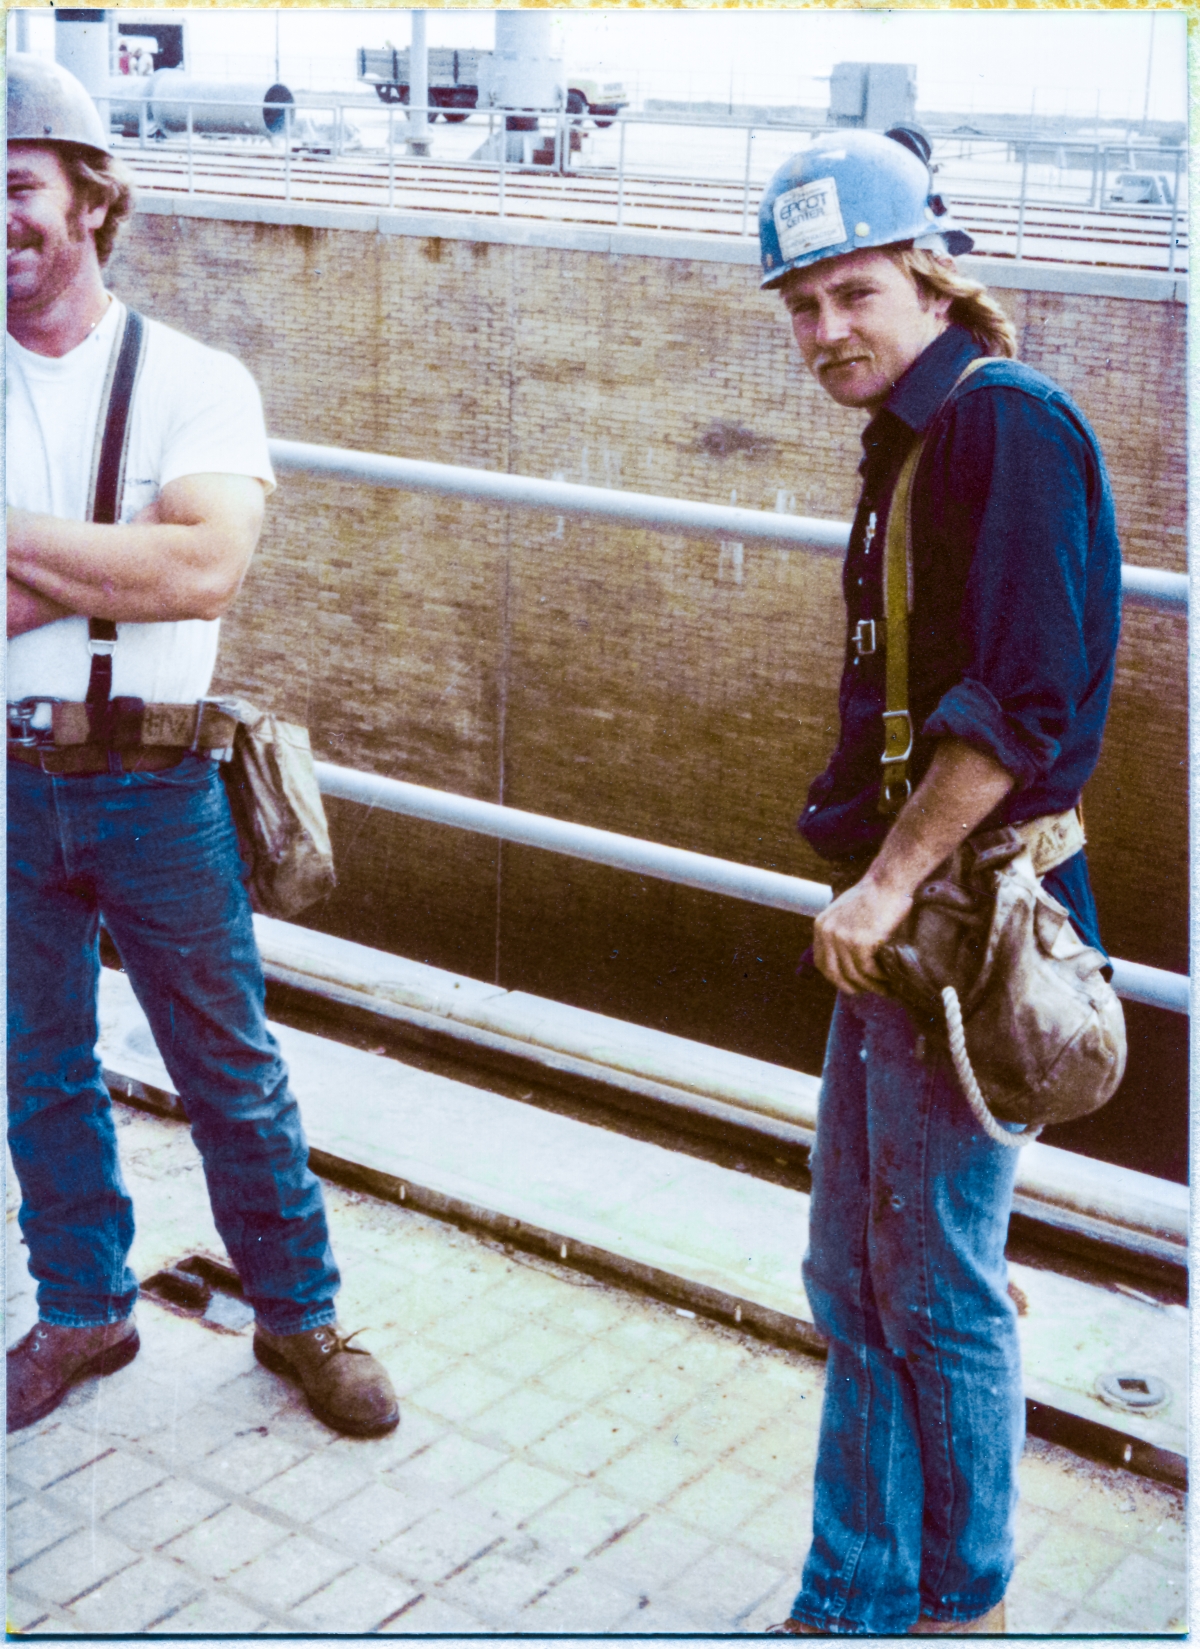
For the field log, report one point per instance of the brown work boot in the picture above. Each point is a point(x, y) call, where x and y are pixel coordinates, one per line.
point(346, 1388)
point(44, 1365)
point(992, 1624)
point(791, 1627)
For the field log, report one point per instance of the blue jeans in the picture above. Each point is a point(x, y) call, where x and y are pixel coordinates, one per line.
point(923, 1418)
point(157, 854)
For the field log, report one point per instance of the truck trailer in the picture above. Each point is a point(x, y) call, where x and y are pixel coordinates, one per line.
point(457, 76)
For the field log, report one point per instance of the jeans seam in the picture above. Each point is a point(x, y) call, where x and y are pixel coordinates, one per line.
point(942, 1374)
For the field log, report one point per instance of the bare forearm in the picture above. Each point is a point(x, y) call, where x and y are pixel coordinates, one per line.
point(959, 790)
point(142, 573)
point(183, 557)
point(27, 610)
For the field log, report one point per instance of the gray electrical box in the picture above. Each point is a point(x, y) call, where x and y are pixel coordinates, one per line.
point(875, 95)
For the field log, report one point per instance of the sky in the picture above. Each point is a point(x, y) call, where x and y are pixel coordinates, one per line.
point(1058, 62)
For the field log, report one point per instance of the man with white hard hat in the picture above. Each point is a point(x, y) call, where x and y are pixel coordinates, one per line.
point(137, 469)
point(1011, 616)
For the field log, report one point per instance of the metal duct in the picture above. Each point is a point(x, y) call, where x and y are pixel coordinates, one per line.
point(226, 108)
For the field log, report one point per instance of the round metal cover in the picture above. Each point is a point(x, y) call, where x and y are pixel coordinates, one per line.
point(1131, 1390)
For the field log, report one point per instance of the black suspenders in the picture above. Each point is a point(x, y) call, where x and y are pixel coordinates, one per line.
point(108, 479)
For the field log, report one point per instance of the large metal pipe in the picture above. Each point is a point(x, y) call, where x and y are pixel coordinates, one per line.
point(248, 108)
point(81, 45)
point(1133, 980)
point(524, 75)
point(1141, 586)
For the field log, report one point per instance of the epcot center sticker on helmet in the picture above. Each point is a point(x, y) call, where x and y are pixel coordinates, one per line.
point(848, 192)
point(809, 218)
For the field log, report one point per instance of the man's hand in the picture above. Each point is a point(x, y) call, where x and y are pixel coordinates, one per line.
point(29, 611)
point(958, 792)
point(848, 933)
point(184, 557)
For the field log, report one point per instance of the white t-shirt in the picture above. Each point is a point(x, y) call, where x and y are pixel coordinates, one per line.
point(195, 412)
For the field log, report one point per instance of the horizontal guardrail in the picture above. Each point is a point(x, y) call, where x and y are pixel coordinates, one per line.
point(1133, 980)
point(1141, 586)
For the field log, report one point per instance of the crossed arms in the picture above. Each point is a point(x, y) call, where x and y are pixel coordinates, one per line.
point(184, 556)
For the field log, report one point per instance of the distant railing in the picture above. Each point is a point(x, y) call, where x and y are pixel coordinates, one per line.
point(1010, 191)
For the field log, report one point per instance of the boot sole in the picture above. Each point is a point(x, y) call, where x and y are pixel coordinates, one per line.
point(278, 1364)
point(108, 1361)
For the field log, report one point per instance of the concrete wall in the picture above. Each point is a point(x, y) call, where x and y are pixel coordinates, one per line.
point(671, 689)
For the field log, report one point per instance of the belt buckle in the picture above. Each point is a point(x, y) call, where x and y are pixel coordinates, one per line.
point(27, 736)
point(863, 637)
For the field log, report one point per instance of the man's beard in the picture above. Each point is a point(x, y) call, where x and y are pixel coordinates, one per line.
point(52, 275)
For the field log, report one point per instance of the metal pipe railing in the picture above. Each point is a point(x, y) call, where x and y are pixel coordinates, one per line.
point(1133, 980)
point(1141, 586)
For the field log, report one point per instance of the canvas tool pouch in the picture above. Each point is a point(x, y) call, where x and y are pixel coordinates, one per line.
point(1041, 1027)
point(276, 806)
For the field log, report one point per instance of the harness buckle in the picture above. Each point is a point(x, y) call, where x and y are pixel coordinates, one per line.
point(864, 638)
point(99, 645)
point(21, 730)
point(897, 729)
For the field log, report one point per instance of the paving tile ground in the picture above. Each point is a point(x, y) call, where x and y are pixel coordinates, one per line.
point(572, 1458)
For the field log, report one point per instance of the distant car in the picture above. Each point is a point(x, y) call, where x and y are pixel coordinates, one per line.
point(1140, 189)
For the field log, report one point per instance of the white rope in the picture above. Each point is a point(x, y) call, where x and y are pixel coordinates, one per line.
point(966, 1077)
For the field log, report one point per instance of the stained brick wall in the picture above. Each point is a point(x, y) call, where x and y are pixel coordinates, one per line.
point(672, 689)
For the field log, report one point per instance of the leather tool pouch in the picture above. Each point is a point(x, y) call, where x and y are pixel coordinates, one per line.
point(276, 806)
point(1044, 1029)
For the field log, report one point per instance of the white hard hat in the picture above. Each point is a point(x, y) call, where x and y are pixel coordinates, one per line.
point(46, 104)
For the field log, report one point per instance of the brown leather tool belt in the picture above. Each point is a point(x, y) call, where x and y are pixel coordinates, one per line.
point(121, 735)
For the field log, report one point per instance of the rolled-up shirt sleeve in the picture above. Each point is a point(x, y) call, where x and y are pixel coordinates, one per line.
point(1018, 469)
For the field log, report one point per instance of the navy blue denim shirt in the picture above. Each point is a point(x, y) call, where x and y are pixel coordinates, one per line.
point(1016, 600)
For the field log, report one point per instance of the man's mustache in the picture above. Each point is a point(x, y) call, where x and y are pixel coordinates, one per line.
point(23, 243)
point(842, 358)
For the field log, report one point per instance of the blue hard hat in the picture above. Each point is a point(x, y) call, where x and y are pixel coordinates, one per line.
point(850, 190)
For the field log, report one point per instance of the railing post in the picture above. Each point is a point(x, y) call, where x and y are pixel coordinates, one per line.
point(1175, 212)
point(287, 152)
point(1103, 176)
point(391, 156)
point(191, 180)
point(746, 187)
point(621, 174)
point(503, 160)
point(1021, 207)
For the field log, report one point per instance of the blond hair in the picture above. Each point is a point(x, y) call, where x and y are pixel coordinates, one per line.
point(98, 179)
point(972, 305)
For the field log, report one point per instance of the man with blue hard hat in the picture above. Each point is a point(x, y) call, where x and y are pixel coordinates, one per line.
point(1011, 617)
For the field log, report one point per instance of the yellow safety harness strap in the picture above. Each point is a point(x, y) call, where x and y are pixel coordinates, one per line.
point(895, 786)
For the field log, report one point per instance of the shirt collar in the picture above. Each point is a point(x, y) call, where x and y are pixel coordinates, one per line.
point(919, 392)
